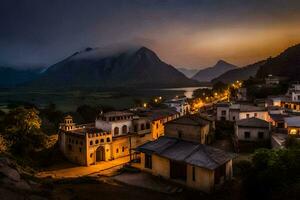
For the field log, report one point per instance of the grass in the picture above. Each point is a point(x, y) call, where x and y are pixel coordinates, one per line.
point(67, 101)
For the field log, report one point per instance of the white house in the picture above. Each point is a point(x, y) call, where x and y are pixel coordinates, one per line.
point(234, 112)
point(116, 122)
point(180, 104)
point(252, 129)
point(294, 92)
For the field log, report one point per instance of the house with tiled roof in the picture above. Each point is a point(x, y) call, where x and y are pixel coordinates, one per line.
point(192, 164)
point(192, 127)
point(252, 129)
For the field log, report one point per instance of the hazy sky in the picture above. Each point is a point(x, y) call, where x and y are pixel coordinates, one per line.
point(184, 33)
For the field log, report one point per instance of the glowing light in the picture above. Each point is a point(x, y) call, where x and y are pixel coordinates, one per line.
point(145, 105)
point(293, 131)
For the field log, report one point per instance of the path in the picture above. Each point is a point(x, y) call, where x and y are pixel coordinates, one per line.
point(103, 168)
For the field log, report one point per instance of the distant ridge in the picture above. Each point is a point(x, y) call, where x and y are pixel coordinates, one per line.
point(207, 74)
point(242, 73)
point(135, 67)
point(286, 64)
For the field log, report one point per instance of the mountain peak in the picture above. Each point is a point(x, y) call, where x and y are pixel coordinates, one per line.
point(207, 74)
point(222, 62)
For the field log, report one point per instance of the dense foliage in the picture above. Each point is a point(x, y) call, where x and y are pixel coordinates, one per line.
point(273, 172)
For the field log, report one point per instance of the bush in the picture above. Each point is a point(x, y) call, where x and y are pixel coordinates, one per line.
point(3, 144)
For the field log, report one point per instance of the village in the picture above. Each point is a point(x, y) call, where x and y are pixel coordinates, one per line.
point(190, 143)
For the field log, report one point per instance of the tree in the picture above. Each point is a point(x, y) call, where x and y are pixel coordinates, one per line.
point(21, 120)
point(23, 130)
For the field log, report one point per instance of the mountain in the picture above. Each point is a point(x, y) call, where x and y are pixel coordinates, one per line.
point(242, 73)
point(128, 68)
point(207, 74)
point(188, 72)
point(10, 77)
point(286, 64)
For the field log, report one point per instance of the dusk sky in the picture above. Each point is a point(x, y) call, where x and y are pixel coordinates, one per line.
point(184, 33)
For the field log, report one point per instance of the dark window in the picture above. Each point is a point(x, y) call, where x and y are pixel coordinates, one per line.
point(107, 139)
point(194, 174)
point(255, 114)
point(123, 149)
point(80, 149)
point(233, 118)
point(148, 161)
point(116, 130)
point(97, 141)
point(81, 143)
point(91, 142)
point(102, 140)
point(247, 115)
point(179, 134)
point(223, 112)
point(147, 125)
point(261, 135)
point(70, 147)
point(247, 134)
point(124, 129)
point(117, 150)
point(142, 126)
point(135, 128)
point(76, 141)
point(157, 125)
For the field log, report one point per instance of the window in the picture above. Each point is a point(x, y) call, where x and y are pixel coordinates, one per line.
point(91, 142)
point(117, 150)
point(148, 161)
point(76, 141)
point(194, 174)
point(142, 126)
point(260, 135)
point(123, 149)
point(247, 135)
point(233, 118)
point(135, 128)
point(147, 125)
point(157, 125)
point(97, 141)
point(116, 131)
point(248, 115)
point(179, 134)
point(102, 140)
point(80, 150)
point(223, 112)
point(255, 114)
point(107, 139)
point(70, 147)
point(124, 129)
point(81, 143)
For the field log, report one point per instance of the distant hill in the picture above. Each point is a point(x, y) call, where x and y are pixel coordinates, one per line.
point(138, 67)
point(207, 74)
point(188, 72)
point(10, 77)
point(286, 64)
point(242, 73)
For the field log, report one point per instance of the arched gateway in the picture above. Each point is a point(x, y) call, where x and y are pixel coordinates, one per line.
point(100, 154)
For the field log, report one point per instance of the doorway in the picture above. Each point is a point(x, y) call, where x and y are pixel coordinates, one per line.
point(100, 154)
point(178, 170)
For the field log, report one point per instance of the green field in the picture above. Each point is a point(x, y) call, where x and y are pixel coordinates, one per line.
point(70, 100)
